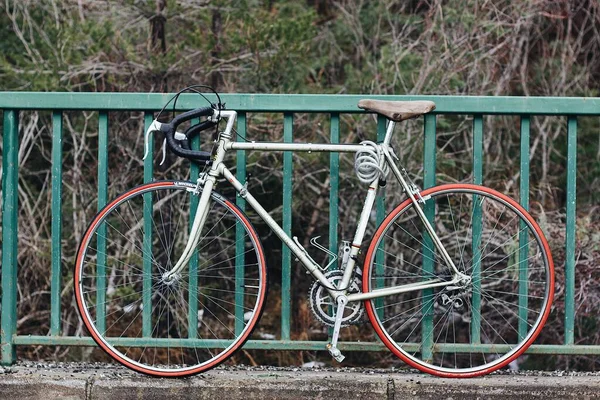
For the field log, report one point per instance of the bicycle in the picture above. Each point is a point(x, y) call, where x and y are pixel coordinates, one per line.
point(170, 277)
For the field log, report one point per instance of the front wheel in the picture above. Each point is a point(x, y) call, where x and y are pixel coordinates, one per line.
point(470, 328)
point(160, 325)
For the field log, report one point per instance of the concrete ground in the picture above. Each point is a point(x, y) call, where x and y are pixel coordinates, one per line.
point(99, 381)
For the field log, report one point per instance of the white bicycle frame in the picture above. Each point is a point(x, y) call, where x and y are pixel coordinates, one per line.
point(219, 169)
point(340, 293)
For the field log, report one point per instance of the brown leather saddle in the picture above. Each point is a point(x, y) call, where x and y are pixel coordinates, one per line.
point(398, 110)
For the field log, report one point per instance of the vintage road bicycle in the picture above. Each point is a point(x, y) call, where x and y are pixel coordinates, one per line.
point(170, 277)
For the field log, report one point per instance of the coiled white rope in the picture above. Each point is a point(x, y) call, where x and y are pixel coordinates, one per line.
point(367, 161)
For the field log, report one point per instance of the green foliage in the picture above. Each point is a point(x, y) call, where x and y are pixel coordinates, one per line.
point(277, 41)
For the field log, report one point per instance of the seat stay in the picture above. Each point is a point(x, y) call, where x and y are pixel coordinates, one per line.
point(436, 240)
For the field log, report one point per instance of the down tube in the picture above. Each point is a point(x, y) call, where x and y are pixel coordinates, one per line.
point(311, 267)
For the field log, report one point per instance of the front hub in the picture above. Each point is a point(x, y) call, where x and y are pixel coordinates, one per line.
point(169, 282)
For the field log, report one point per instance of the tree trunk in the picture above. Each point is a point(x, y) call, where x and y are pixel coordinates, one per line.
point(216, 79)
point(158, 42)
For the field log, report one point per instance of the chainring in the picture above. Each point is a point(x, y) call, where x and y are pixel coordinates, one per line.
point(323, 306)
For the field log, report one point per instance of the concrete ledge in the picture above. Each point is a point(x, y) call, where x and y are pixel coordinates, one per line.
point(91, 381)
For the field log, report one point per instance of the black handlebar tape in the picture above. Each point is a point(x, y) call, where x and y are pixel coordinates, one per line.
point(186, 116)
point(185, 144)
point(194, 130)
point(169, 130)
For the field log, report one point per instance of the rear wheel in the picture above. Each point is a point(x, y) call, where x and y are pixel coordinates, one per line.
point(169, 327)
point(470, 328)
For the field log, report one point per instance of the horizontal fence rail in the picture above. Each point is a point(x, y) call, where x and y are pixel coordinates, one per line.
point(334, 105)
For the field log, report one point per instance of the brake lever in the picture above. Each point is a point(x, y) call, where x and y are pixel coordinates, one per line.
point(154, 126)
point(164, 151)
point(177, 136)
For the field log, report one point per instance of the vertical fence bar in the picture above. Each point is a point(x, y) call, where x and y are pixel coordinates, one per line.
point(334, 183)
point(477, 223)
point(570, 230)
point(101, 236)
point(56, 205)
point(380, 216)
point(428, 255)
point(10, 181)
point(286, 263)
point(147, 239)
point(523, 231)
point(193, 263)
point(478, 149)
point(334, 186)
point(240, 232)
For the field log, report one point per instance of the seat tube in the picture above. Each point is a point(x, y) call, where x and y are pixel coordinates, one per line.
point(360, 233)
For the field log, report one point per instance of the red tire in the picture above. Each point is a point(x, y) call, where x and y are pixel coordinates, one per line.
point(467, 329)
point(176, 327)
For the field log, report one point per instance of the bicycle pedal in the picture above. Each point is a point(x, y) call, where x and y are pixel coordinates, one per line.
point(335, 353)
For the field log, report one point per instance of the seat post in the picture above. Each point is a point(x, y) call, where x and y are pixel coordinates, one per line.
point(389, 132)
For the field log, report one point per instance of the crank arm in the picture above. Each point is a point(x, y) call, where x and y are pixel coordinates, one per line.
point(339, 314)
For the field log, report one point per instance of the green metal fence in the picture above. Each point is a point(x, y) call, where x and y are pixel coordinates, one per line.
point(334, 105)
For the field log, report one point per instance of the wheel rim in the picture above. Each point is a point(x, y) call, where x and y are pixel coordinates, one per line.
point(432, 330)
point(193, 323)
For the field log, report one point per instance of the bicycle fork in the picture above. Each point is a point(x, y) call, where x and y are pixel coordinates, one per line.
point(209, 184)
point(198, 224)
point(202, 210)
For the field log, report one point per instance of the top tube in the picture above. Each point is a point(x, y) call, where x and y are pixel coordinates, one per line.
point(307, 147)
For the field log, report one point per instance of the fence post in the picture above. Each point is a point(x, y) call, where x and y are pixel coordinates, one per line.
point(147, 239)
point(56, 274)
point(10, 170)
point(429, 165)
point(286, 254)
point(571, 227)
point(380, 216)
point(477, 223)
point(240, 232)
point(101, 236)
point(523, 233)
